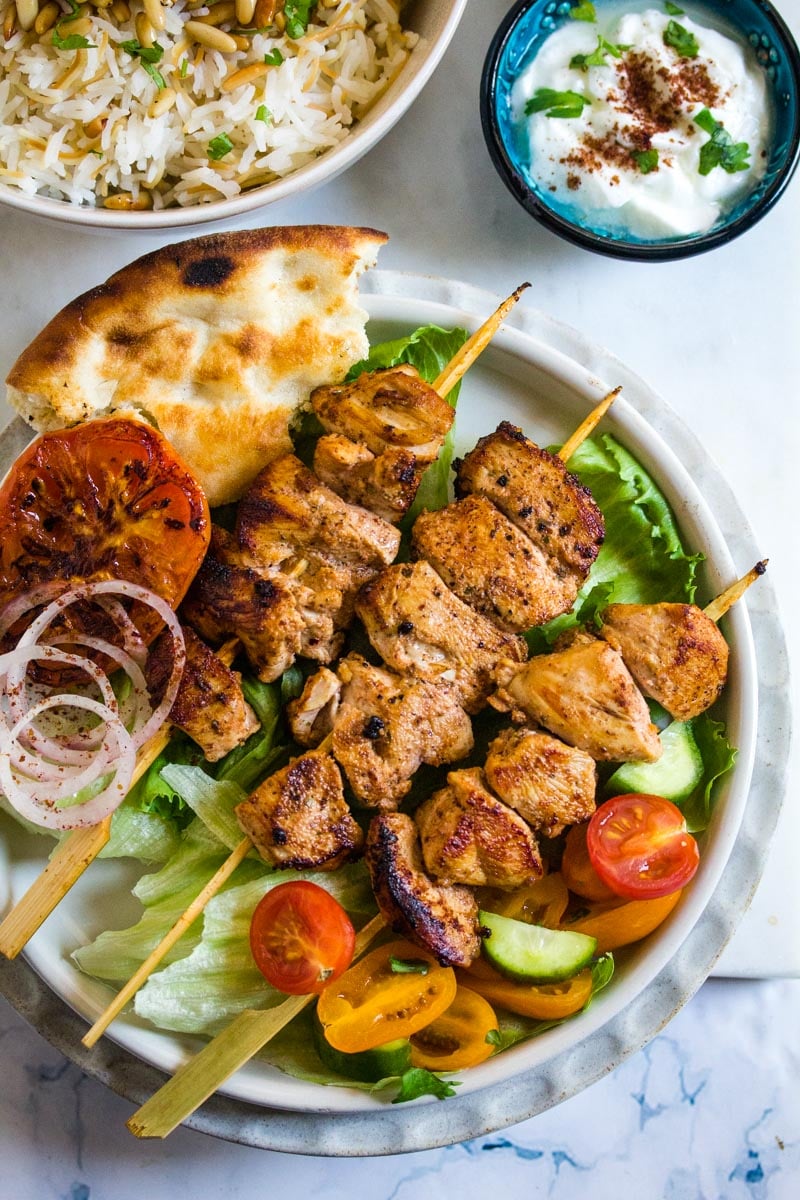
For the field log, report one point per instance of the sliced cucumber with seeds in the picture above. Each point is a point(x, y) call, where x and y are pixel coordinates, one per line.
point(675, 776)
point(532, 953)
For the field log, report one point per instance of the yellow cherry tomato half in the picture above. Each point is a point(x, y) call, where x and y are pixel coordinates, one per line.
point(619, 924)
point(577, 870)
point(541, 903)
point(545, 1002)
point(390, 993)
point(456, 1039)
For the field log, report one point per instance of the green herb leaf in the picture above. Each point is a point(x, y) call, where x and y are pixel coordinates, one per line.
point(297, 13)
point(684, 44)
point(409, 966)
point(597, 58)
point(274, 58)
point(219, 146)
point(419, 1082)
point(646, 160)
point(583, 11)
point(602, 971)
point(556, 104)
point(674, 10)
point(148, 56)
point(720, 150)
point(494, 1037)
point(184, 67)
point(263, 114)
point(75, 41)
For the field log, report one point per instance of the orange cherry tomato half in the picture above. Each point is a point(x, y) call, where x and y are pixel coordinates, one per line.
point(619, 924)
point(373, 1002)
point(545, 1002)
point(576, 867)
point(301, 938)
point(640, 848)
point(541, 903)
point(456, 1039)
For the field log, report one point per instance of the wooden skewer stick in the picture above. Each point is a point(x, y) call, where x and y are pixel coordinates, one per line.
point(725, 600)
point(77, 850)
point(202, 1075)
point(587, 426)
point(461, 362)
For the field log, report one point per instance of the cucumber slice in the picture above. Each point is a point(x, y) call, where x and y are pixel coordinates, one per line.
point(367, 1066)
point(532, 953)
point(675, 776)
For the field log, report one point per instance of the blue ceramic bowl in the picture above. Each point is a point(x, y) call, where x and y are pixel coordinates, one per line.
point(517, 42)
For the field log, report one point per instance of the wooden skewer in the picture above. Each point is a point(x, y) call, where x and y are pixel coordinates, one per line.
point(587, 426)
point(725, 600)
point(461, 362)
point(202, 1075)
point(77, 850)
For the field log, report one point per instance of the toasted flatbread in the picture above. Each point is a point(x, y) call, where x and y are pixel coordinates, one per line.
point(219, 340)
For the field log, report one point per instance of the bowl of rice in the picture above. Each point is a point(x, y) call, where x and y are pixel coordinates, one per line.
point(148, 114)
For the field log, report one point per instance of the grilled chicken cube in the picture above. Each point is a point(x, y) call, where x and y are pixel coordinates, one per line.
point(536, 491)
point(386, 483)
point(547, 782)
point(419, 627)
point(442, 919)
point(227, 598)
point(396, 416)
point(490, 564)
point(675, 653)
point(299, 817)
point(388, 725)
point(210, 705)
point(312, 714)
point(585, 696)
point(469, 836)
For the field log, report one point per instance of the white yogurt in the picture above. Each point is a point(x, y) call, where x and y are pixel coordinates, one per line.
point(586, 161)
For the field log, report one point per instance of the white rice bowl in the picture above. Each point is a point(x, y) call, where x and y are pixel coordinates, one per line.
point(156, 148)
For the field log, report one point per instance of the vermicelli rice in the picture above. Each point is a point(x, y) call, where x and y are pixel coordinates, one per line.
point(97, 124)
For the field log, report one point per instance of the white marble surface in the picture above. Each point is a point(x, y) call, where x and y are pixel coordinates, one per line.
point(711, 1108)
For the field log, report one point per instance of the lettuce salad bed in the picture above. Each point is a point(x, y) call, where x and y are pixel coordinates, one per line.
point(180, 814)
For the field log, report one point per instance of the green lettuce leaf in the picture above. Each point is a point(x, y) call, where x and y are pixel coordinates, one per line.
point(718, 758)
point(249, 764)
point(212, 800)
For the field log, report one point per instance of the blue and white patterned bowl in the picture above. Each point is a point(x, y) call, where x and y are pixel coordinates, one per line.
point(517, 42)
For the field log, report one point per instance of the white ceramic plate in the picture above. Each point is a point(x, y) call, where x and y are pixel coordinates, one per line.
point(543, 377)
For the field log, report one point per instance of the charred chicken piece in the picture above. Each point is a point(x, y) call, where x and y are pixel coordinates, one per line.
point(299, 818)
point(547, 782)
point(312, 714)
point(536, 491)
point(675, 653)
point(441, 919)
point(398, 419)
point(469, 836)
point(490, 564)
point(585, 695)
point(227, 597)
point(385, 726)
point(210, 705)
point(419, 627)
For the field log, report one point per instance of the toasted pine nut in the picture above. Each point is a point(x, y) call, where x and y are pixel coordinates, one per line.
point(163, 102)
point(242, 43)
point(245, 75)
point(208, 36)
point(245, 10)
point(144, 30)
point(46, 18)
point(95, 127)
point(101, 4)
point(124, 201)
point(27, 12)
point(264, 13)
point(10, 21)
point(155, 14)
point(82, 26)
point(121, 10)
point(219, 14)
point(280, 21)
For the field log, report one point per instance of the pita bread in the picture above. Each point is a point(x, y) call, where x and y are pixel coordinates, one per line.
point(219, 340)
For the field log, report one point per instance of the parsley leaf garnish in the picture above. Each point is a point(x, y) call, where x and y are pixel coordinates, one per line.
point(673, 9)
point(556, 104)
point(597, 58)
point(720, 150)
point(184, 67)
point(219, 146)
point(297, 13)
point(583, 11)
point(73, 41)
point(149, 56)
point(418, 1082)
point(409, 966)
point(263, 114)
point(684, 44)
point(274, 58)
point(494, 1037)
point(646, 160)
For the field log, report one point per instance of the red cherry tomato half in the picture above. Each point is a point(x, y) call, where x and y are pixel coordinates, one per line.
point(301, 938)
point(640, 848)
